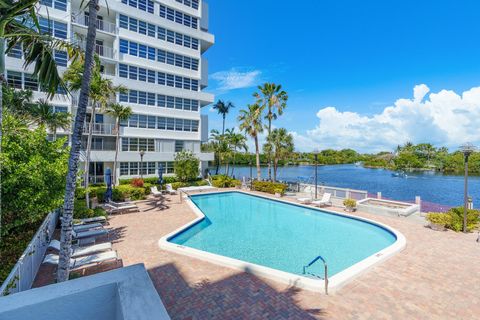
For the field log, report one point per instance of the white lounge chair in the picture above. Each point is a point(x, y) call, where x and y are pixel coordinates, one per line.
point(155, 192)
point(169, 189)
point(84, 227)
point(325, 201)
point(119, 207)
point(82, 251)
point(100, 219)
point(83, 261)
point(305, 200)
point(88, 233)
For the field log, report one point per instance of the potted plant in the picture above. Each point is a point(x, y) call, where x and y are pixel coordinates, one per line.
point(438, 221)
point(278, 192)
point(350, 205)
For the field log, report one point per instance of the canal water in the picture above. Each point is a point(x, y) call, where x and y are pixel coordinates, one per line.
point(430, 186)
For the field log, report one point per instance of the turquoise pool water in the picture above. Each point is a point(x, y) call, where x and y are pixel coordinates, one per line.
point(279, 235)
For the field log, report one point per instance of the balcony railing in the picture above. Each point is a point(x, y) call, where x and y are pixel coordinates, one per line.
point(101, 50)
point(102, 25)
point(101, 129)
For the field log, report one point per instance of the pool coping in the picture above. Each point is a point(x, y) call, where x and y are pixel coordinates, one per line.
point(335, 282)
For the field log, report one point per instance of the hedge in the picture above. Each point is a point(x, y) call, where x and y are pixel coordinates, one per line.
point(453, 219)
point(269, 187)
point(222, 181)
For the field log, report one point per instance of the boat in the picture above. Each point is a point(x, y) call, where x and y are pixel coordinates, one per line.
point(399, 174)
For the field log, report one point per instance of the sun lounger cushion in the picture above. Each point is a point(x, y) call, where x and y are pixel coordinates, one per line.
point(89, 233)
point(78, 262)
point(100, 219)
point(89, 226)
point(82, 251)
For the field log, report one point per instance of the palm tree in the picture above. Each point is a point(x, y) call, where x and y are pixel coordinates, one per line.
point(271, 97)
point(101, 93)
point(236, 141)
point(120, 113)
point(43, 114)
point(281, 143)
point(223, 109)
point(67, 217)
point(220, 147)
point(251, 122)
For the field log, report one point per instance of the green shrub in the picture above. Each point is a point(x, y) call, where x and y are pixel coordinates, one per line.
point(269, 187)
point(453, 219)
point(128, 191)
point(137, 182)
point(186, 166)
point(195, 183)
point(223, 181)
point(350, 203)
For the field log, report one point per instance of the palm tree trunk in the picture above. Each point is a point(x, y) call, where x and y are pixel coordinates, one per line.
point(234, 162)
point(269, 154)
point(117, 146)
point(54, 134)
point(257, 151)
point(67, 216)
point(2, 80)
point(89, 149)
point(217, 160)
point(223, 128)
point(275, 168)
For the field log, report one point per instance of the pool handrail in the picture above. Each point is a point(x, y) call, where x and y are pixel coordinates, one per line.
point(325, 277)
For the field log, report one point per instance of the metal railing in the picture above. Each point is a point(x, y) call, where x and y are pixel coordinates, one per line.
point(101, 128)
point(325, 275)
point(25, 270)
point(341, 193)
point(102, 25)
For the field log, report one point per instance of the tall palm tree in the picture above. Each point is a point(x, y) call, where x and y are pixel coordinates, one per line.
point(237, 141)
point(282, 146)
point(272, 98)
point(251, 122)
point(220, 147)
point(67, 217)
point(101, 92)
point(120, 113)
point(223, 109)
point(43, 113)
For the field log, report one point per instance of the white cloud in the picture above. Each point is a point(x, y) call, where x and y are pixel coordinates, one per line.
point(236, 79)
point(444, 119)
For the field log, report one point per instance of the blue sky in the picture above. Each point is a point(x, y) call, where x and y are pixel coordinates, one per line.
point(357, 57)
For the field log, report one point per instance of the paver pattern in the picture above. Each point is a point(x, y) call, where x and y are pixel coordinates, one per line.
point(435, 277)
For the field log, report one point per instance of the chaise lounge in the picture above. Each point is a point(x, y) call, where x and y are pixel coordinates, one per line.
point(83, 261)
point(120, 207)
point(325, 201)
point(82, 251)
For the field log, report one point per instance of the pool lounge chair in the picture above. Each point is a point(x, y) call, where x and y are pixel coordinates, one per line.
point(84, 227)
point(83, 261)
point(82, 251)
point(101, 219)
point(170, 189)
point(155, 192)
point(89, 233)
point(119, 207)
point(307, 200)
point(325, 201)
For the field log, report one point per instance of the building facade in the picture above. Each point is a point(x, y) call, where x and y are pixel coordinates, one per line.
point(154, 49)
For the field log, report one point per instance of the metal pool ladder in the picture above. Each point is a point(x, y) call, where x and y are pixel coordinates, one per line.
point(325, 276)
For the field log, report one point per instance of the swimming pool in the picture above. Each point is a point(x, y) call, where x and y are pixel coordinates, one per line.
point(277, 239)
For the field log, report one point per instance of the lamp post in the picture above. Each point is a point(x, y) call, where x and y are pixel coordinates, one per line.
point(315, 154)
point(142, 153)
point(467, 149)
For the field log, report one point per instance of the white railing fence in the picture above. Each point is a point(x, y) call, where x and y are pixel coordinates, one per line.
point(339, 193)
point(25, 270)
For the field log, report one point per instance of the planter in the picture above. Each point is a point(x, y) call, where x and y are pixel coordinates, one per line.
point(437, 226)
point(278, 195)
point(348, 209)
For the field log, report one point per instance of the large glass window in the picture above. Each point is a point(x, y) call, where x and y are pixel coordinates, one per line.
point(178, 16)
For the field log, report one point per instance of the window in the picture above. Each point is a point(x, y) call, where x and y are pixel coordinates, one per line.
point(61, 58)
point(151, 30)
point(142, 98)
point(133, 48)
point(151, 76)
point(170, 124)
point(187, 125)
point(124, 168)
point(151, 53)
point(57, 4)
point(123, 46)
point(30, 82)
point(161, 123)
point(123, 21)
point(170, 102)
point(170, 36)
point(178, 145)
point(144, 5)
point(60, 109)
point(161, 33)
point(178, 16)
point(142, 51)
point(133, 168)
point(195, 125)
point(133, 96)
point(151, 122)
point(133, 25)
point(123, 71)
point(142, 27)
point(179, 103)
point(161, 101)
point(14, 79)
point(142, 74)
point(151, 99)
point(133, 73)
point(16, 51)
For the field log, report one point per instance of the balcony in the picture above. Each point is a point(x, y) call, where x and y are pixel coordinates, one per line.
point(101, 129)
point(102, 25)
point(101, 50)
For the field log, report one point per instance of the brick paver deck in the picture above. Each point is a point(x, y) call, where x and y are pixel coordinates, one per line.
point(435, 277)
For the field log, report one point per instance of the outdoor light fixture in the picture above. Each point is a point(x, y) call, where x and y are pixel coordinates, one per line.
point(467, 149)
point(142, 153)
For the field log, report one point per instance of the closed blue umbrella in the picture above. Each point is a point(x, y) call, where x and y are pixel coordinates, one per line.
point(108, 181)
point(160, 174)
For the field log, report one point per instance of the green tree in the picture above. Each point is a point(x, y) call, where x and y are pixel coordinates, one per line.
point(33, 177)
point(272, 98)
point(282, 146)
point(186, 166)
point(102, 92)
point(223, 108)
point(251, 123)
point(43, 114)
point(120, 113)
point(76, 138)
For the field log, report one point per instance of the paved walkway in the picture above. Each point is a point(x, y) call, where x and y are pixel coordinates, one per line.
point(435, 277)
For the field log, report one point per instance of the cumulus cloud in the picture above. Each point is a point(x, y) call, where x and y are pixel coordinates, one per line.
point(443, 119)
point(236, 79)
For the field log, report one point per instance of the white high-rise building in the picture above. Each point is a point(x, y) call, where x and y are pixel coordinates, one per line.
point(153, 48)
